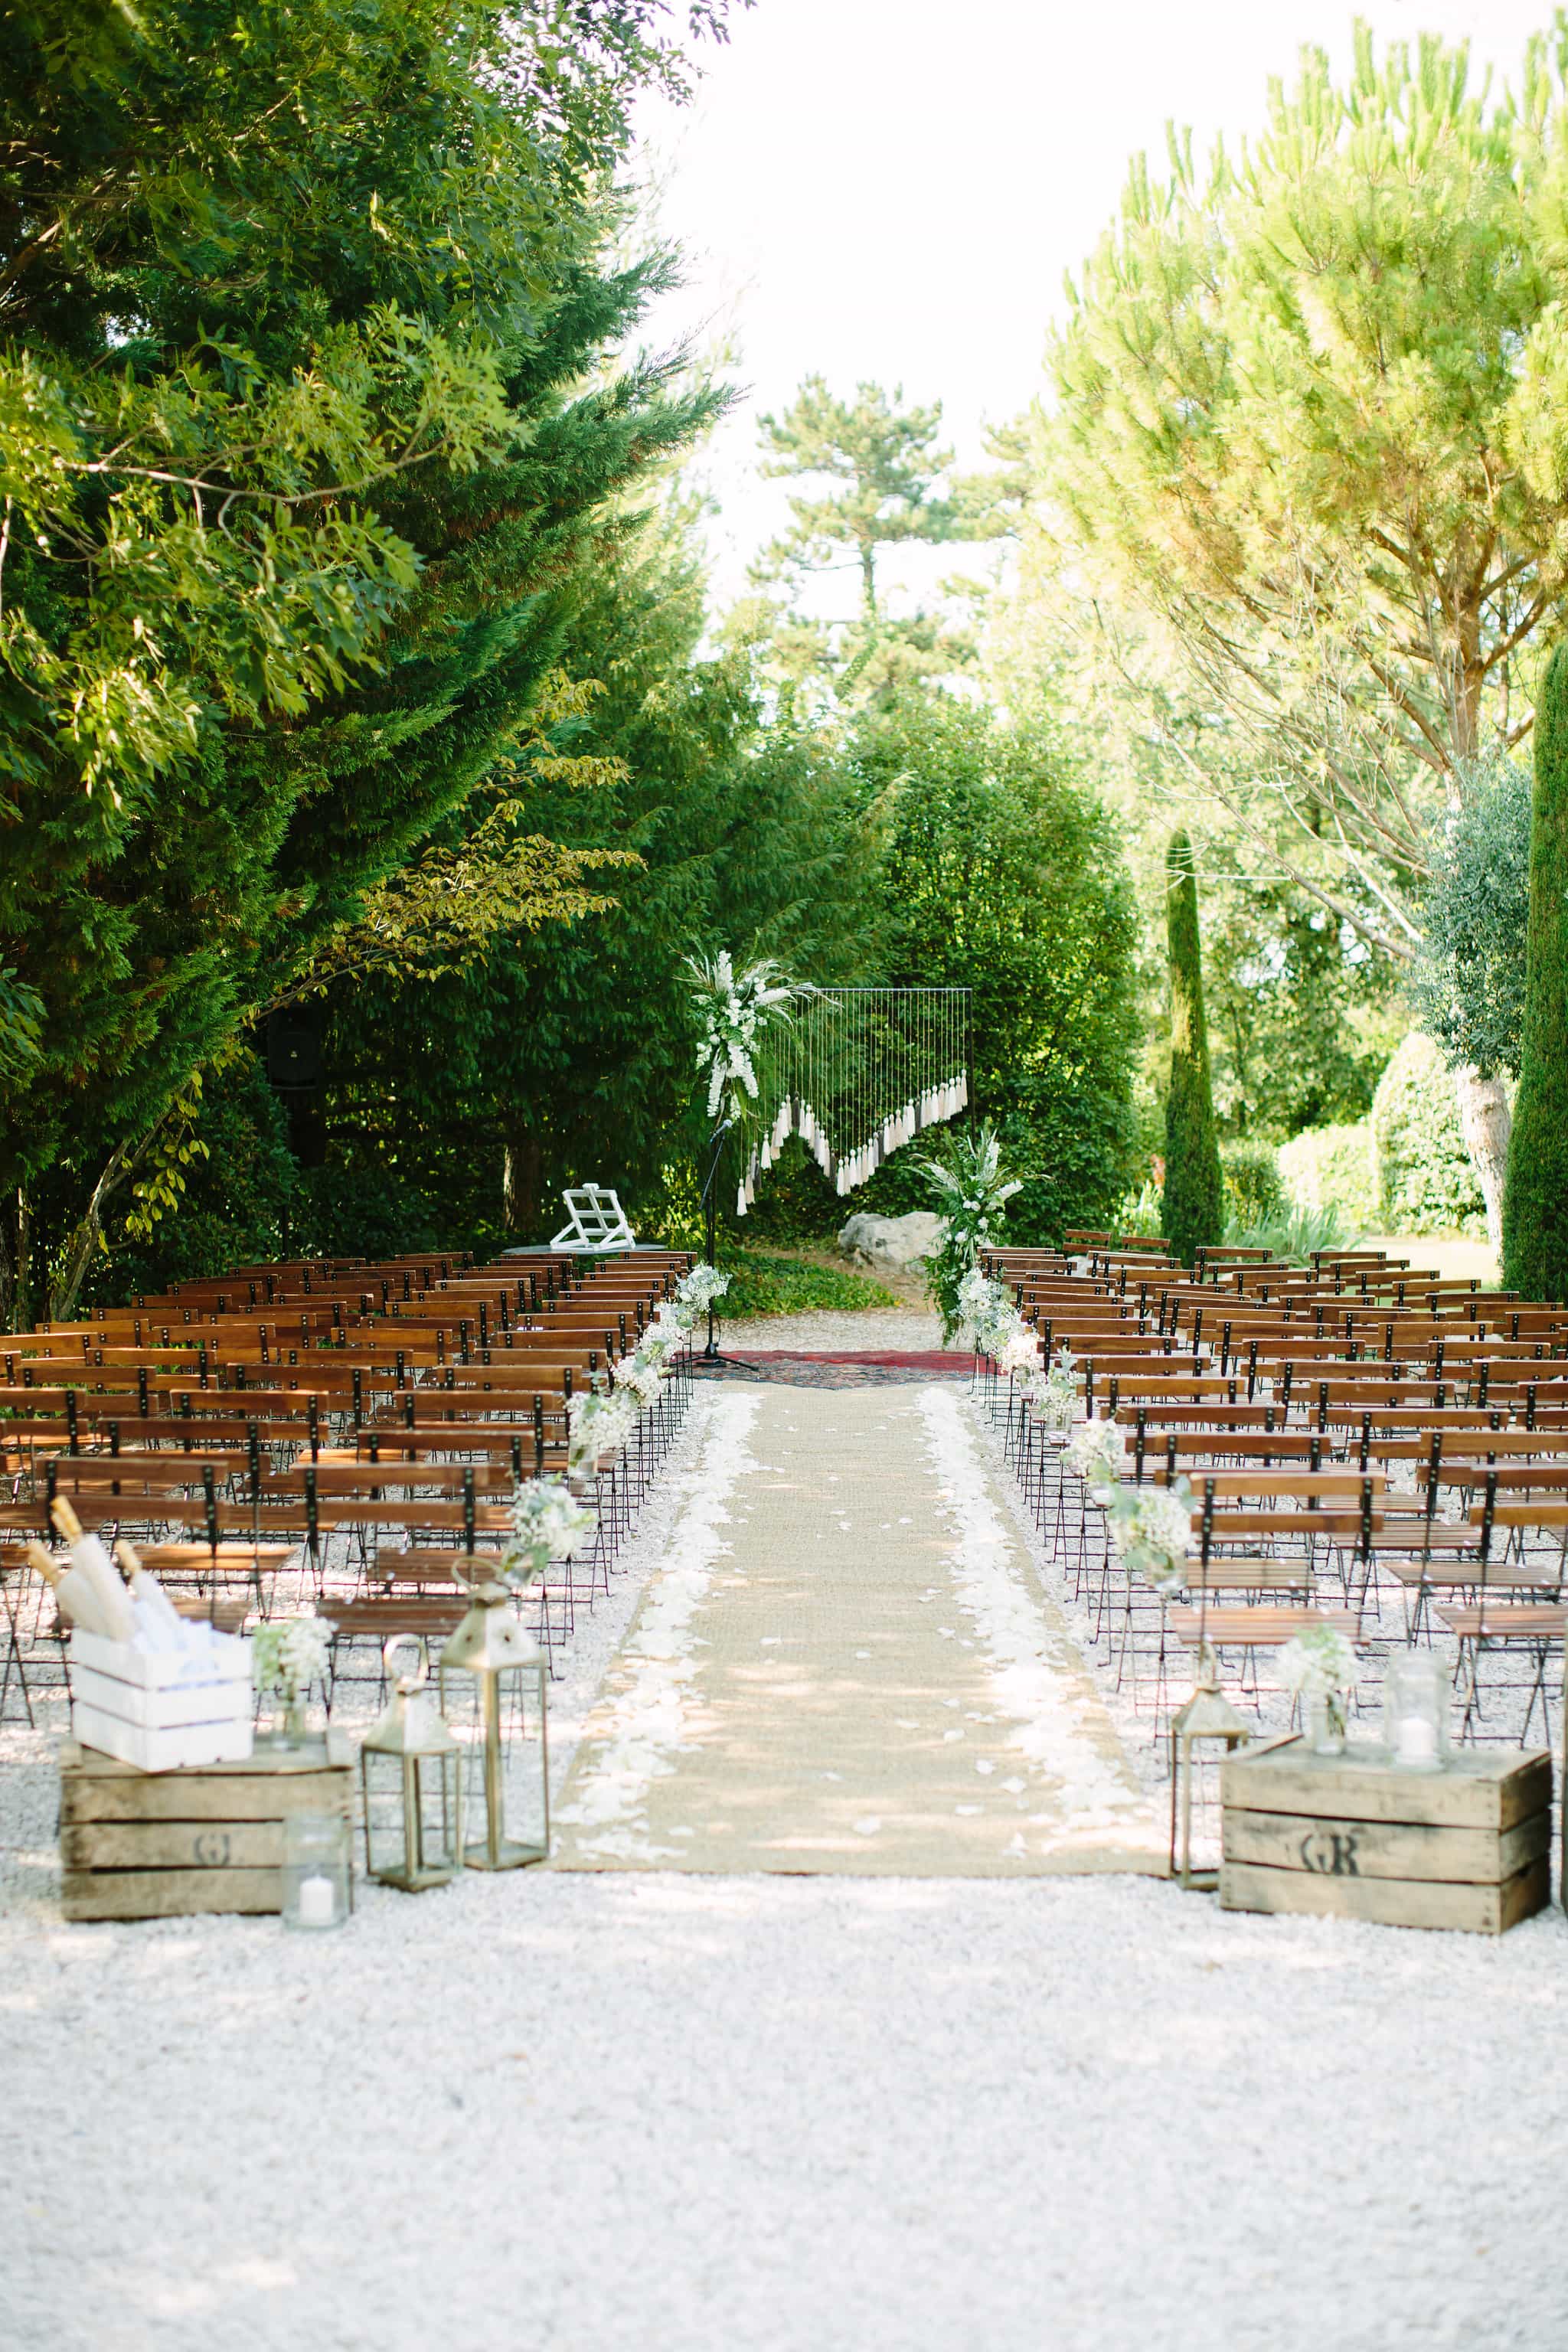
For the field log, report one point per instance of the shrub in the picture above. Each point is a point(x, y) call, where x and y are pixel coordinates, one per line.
point(1333, 1169)
point(1535, 1212)
point(1252, 1187)
point(785, 1285)
point(1469, 978)
point(1294, 1233)
point(1427, 1183)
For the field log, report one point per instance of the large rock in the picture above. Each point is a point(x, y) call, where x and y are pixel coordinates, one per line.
point(894, 1242)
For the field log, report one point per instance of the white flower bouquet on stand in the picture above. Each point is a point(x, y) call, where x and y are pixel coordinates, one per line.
point(1320, 1667)
point(1056, 1393)
point(732, 1008)
point(547, 1523)
point(641, 1377)
point(599, 1423)
point(1097, 1453)
point(1151, 1527)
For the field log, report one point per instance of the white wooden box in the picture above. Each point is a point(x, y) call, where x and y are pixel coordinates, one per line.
point(161, 1711)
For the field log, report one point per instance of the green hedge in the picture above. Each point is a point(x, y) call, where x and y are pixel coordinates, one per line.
point(762, 1285)
point(1427, 1183)
point(1252, 1188)
point(1331, 1168)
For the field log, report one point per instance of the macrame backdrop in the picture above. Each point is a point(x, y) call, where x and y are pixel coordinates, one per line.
point(854, 1072)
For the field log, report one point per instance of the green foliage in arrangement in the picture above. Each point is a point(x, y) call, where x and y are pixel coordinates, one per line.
point(763, 1284)
point(1332, 1171)
point(1425, 1181)
point(1193, 1207)
point(1535, 1211)
point(1469, 984)
point(300, 315)
point(969, 1185)
point(1252, 1186)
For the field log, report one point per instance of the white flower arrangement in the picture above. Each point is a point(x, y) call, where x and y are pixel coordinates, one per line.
point(986, 1316)
point(641, 1380)
point(1151, 1527)
point(732, 1007)
point(1056, 1395)
point(599, 1423)
point(547, 1523)
point(655, 1345)
point(1318, 1663)
point(1019, 1355)
point(697, 1290)
point(289, 1654)
point(1097, 1453)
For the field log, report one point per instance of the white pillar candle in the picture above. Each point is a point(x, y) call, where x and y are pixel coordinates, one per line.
point(1417, 1741)
point(317, 1901)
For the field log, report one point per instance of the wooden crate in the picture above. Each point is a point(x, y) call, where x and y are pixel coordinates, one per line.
point(154, 1845)
point(1351, 1838)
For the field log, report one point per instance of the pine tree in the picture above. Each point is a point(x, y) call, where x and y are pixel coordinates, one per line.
point(1535, 1209)
point(346, 269)
point(1195, 1186)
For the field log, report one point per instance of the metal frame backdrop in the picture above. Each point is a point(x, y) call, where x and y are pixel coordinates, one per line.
point(855, 1073)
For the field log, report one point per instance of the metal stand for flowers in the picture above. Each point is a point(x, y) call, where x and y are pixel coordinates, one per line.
point(712, 1354)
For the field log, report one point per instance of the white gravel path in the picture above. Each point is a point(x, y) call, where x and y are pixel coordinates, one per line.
point(904, 1327)
point(747, 2115)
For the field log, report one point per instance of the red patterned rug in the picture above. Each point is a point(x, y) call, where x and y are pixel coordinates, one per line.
point(841, 1368)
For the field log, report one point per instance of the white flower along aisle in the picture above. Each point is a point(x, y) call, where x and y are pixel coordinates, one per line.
point(616, 1428)
point(1150, 1525)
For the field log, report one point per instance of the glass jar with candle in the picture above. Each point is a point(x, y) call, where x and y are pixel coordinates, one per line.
point(318, 1872)
point(1416, 1711)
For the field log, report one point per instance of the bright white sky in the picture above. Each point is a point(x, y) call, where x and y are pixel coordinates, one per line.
point(893, 189)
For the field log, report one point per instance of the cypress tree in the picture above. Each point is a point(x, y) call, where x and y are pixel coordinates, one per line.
point(1535, 1207)
point(1194, 1206)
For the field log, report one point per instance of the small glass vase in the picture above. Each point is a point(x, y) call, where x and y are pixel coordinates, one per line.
point(1326, 1724)
point(289, 1727)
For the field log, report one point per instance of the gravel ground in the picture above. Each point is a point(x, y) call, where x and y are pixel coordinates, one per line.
point(793, 2115)
point(913, 1329)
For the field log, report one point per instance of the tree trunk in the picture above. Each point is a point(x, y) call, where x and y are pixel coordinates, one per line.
point(522, 1170)
point(15, 1282)
point(1485, 1122)
point(88, 1236)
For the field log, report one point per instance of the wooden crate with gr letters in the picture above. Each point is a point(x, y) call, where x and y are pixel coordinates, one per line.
point(156, 1845)
point(1354, 1838)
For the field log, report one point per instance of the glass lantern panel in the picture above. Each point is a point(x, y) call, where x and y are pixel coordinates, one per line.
point(411, 1818)
point(497, 1719)
point(318, 1870)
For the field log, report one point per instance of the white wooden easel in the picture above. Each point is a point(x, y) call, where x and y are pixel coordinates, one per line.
point(598, 1222)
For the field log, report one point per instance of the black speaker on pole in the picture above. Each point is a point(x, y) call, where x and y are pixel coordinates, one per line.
point(295, 1072)
point(294, 1049)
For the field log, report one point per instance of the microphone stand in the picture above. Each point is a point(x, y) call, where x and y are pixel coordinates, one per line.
point(712, 1353)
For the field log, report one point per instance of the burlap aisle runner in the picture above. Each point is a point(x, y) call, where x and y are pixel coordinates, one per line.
point(846, 1663)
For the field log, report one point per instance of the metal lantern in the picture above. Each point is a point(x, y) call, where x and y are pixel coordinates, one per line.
point(1208, 1722)
point(411, 1767)
point(490, 1671)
